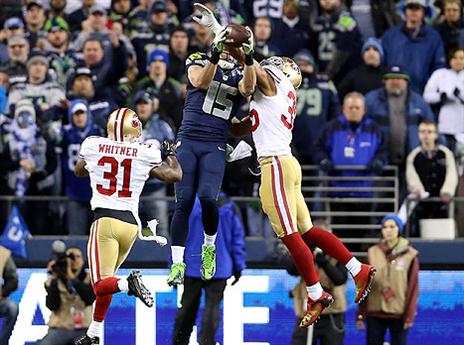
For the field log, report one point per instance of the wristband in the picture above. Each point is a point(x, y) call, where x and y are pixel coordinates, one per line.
point(214, 58)
point(249, 60)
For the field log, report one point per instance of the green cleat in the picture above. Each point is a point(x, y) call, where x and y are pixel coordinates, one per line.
point(208, 261)
point(176, 276)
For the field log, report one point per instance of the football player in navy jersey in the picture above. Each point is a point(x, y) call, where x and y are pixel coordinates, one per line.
point(216, 86)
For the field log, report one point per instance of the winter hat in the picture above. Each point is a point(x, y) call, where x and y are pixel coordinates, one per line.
point(158, 55)
point(76, 105)
point(374, 43)
point(396, 72)
point(396, 219)
point(304, 55)
point(37, 56)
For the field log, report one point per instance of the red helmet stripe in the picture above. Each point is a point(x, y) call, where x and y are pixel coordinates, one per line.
point(121, 126)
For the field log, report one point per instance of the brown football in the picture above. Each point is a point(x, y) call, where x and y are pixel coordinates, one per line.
point(237, 36)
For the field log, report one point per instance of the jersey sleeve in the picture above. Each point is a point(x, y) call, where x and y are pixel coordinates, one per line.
point(196, 59)
point(152, 154)
point(86, 147)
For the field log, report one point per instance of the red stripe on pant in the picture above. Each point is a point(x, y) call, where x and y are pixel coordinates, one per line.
point(284, 196)
point(97, 256)
point(91, 268)
point(276, 202)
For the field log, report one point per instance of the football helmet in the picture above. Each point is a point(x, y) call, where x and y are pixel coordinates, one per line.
point(124, 125)
point(287, 66)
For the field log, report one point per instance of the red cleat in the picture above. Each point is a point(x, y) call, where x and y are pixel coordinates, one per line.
point(315, 309)
point(363, 281)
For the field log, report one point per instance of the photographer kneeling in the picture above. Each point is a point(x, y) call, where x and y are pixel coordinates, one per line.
point(69, 297)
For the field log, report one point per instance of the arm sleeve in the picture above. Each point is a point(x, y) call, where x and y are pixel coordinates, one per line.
point(412, 178)
point(321, 149)
point(84, 290)
point(412, 293)
point(382, 151)
point(238, 244)
point(439, 56)
point(432, 90)
point(451, 179)
point(52, 300)
point(334, 105)
point(10, 278)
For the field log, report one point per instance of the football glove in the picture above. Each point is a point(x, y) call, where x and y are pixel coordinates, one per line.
point(248, 47)
point(169, 148)
point(207, 19)
point(218, 42)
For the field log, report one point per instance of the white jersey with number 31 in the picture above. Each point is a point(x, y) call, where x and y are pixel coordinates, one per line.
point(118, 171)
point(272, 117)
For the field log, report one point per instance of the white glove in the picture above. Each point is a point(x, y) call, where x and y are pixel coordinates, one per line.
point(218, 42)
point(152, 224)
point(241, 151)
point(207, 18)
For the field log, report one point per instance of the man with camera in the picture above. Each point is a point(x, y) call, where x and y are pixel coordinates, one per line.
point(69, 297)
point(8, 284)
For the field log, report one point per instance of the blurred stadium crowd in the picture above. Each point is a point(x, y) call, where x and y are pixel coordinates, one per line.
point(65, 65)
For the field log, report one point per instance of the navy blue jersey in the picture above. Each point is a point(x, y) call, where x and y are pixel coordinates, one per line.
point(207, 112)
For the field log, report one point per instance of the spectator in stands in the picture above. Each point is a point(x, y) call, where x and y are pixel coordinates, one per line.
point(57, 9)
point(155, 131)
point(431, 168)
point(374, 17)
point(453, 25)
point(18, 52)
point(201, 39)
point(178, 53)
point(106, 70)
point(81, 85)
point(57, 49)
point(138, 17)
point(8, 283)
point(262, 32)
point(78, 190)
point(99, 27)
point(330, 328)
point(337, 41)
point(414, 45)
point(30, 161)
point(317, 104)
point(290, 33)
point(35, 19)
point(120, 10)
point(4, 86)
point(392, 302)
point(69, 298)
point(44, 92)
point(398, 110)
point(168, 89)
point(446, 88)
point(368, 76)
point(77, 18)
point(352, 139)
point(230, 251)
point(155, 37)
point(12, 26)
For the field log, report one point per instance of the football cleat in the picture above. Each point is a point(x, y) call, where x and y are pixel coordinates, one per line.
point(363, 281)
point(315, 308)
point(138, 289)
point(86, 340)
point(208, 261)
point(176, 275)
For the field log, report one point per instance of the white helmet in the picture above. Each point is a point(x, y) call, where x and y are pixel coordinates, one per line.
point(287, 66)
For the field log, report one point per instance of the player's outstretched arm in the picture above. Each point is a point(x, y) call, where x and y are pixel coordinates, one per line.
point(247, 84)
point(80, 170)
point(201, 77)
point(169, 170)
point(264, 80)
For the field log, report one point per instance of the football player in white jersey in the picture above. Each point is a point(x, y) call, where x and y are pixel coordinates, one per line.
point(118, 167)
point(272, 111)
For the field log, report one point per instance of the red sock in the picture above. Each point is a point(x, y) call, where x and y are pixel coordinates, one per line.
point(302, 257)
point(107, 286)
point(329, 243)
point(102, 304)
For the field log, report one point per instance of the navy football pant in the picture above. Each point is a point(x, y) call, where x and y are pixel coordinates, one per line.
point(203, 165)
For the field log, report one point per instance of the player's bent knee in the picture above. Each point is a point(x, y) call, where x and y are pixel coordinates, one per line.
point(208, 203)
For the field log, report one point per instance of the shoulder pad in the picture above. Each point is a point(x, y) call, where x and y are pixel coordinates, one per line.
point(346, 22)
point(197, 58)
